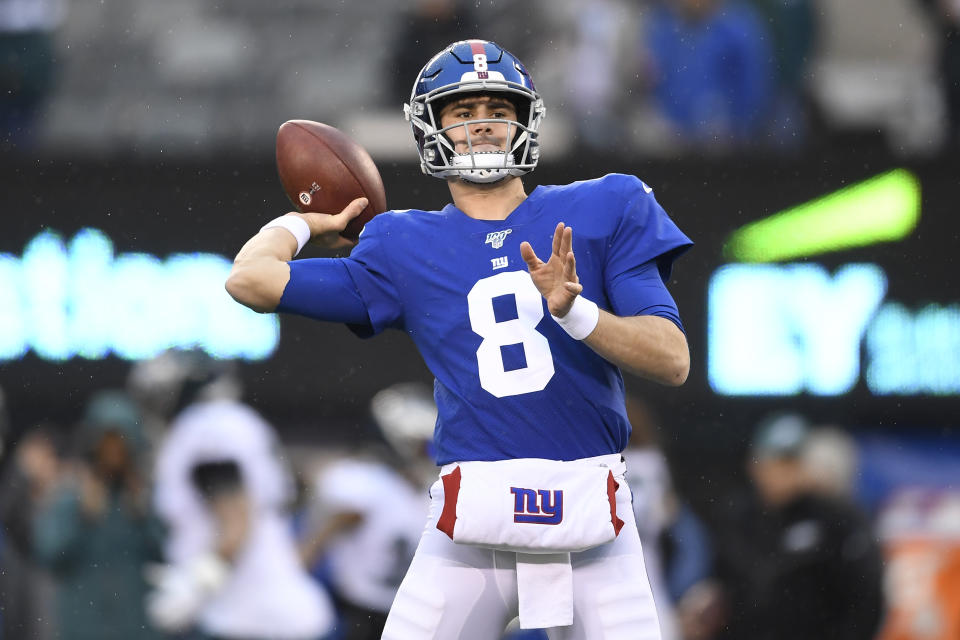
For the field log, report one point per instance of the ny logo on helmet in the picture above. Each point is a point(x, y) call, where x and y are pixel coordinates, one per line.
point(527, 509)
point(496, 238)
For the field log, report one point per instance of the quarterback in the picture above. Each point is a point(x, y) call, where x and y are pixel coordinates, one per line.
point(526, 307)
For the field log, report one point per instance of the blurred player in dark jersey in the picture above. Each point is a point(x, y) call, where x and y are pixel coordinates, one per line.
point(525, 307)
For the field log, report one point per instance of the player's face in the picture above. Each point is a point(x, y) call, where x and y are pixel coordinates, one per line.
point(483, 136)
point(776, 479)
point(112, 455)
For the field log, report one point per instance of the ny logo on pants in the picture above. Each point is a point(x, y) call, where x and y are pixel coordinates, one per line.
point(528, 509)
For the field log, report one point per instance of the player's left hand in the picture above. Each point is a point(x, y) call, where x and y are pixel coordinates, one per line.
point(556, 279)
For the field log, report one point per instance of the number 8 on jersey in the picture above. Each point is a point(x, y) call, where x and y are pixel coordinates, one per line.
point(520, 330)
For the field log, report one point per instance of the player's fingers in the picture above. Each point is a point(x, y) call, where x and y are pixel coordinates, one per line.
point(566, 241)
point(340, 220)
point(322, 223)
point(573, 287)
point(570, 268)
point(529, 256)
point(557, 238)
point(353, 209)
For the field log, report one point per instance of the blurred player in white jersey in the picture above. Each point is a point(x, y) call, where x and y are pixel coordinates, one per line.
point(525, 324)
point(371, 510)
point(675, 545)
point(233, 570)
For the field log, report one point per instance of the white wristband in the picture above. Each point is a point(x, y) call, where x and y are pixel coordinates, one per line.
point(582, 318)
point(295, 225)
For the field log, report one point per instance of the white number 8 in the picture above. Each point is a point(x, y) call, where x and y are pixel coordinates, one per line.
point(479, 62)
point(520, 330)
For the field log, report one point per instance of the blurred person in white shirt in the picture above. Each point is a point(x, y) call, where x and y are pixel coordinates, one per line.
point(223, 489)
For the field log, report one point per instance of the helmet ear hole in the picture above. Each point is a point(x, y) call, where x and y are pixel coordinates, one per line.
point(522, 109)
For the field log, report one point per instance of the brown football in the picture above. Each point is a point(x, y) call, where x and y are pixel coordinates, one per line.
point(322, 170)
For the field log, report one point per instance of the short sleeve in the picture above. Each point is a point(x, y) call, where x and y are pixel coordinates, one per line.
point(370, 269)
point(642, 292)
point(322, 289)
point(645, 233)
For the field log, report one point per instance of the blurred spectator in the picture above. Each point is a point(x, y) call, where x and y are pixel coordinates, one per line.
point(26, 590)
point(832, 461)
point(430, 26)
point(27, 65)
point(947, 15)
point(371, 509)
point(232, 568)
point(594, 72)
point(95, 532)
point(795, 563)
point(793, 29)
point(711, 70)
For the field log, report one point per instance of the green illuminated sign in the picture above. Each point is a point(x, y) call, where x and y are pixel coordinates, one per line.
point(812, 331)
point(81, 299)
point(884, 208)
point(786, 329)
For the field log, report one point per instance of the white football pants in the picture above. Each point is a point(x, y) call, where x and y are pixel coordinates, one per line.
point(457, 592)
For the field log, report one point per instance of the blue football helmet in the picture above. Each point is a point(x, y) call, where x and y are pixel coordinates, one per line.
point(474, 66)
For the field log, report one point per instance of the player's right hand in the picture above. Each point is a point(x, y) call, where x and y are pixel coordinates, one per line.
point(325, 228)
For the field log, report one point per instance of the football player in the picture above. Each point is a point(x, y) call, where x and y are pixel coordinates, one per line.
point(370, 510)
point(223, 491)
point(525, 307)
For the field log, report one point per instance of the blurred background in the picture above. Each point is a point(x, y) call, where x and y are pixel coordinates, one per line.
point(809, 147)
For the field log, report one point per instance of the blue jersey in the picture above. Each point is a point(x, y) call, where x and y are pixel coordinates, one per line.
point(510, 383)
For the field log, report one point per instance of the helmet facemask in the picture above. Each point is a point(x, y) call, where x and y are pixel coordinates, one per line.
point(438, 156)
